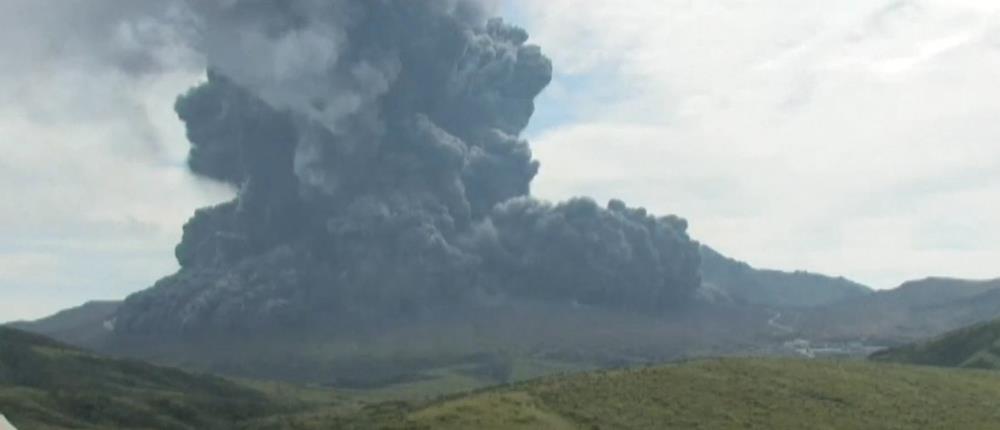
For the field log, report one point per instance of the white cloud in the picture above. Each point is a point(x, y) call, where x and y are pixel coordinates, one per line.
point(93, 206)
point(93, 179)
point(856, 138)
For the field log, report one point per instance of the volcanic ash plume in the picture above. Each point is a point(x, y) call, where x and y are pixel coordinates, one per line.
point(375, 149)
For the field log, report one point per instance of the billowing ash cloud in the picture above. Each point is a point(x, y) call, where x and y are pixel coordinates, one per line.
point(375, 148)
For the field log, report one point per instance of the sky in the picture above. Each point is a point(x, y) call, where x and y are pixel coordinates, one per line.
point(854, 138)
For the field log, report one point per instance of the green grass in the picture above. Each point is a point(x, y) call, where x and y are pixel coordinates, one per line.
point(977, 346)
point(45, 385)
point(449, 380)
point(724, 394)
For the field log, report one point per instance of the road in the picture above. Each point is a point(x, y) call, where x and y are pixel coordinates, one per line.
point(773, 322)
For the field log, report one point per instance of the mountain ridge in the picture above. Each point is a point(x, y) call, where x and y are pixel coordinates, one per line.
point(745, 283)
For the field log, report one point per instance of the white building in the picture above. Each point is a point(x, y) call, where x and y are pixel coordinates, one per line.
point(5, 425)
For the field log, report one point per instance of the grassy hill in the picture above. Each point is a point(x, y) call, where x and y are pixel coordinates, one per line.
point(46, 385)
point(977, 346)
point(720, 394)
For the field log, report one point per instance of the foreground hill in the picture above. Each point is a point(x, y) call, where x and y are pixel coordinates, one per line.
point(977, 346)
point(723, 394)
point(46, 385)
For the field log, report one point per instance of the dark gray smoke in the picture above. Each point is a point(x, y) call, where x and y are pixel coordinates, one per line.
point(375, 148)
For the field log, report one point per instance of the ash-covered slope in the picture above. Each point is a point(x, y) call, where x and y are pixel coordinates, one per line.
point(375, 149)
point(744, 283)
point(86, 324)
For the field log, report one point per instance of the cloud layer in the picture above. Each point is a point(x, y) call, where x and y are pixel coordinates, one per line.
point(91, 148)
point(855, 138)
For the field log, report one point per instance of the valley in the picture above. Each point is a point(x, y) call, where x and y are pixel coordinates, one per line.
point(45, 385)
point(508, 341)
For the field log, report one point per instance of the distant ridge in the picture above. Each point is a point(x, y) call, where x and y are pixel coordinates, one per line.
point(744, 283)
point(84, 325)
point(913, 311)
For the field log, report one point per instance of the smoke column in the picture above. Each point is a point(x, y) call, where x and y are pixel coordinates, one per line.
point(376, 150)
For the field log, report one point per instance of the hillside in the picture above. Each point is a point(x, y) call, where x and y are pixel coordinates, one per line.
point(451, 348)
point(914, 311)
point(82, 325)
point(977, 346)
point(46, 385)
point(721, 394)
point(744, 283)
point(440, 347)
